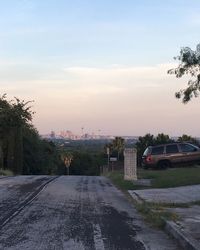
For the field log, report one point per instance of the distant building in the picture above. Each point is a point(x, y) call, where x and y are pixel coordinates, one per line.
point(52, 135)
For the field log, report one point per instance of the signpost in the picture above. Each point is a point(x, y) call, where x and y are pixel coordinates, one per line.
point(112, 160)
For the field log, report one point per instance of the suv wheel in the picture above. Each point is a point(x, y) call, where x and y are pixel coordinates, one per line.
point(164, 164)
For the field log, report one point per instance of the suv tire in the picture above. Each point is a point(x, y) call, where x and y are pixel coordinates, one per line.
point(164, 164)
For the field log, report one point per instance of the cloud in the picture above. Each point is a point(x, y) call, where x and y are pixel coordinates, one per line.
point(119, 76)
point(85, 82)
point(114, 98)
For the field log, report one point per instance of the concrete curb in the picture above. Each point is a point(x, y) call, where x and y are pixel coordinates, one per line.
point(172, 228)
point(183, 239)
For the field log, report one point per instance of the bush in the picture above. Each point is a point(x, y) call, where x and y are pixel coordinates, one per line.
point(6, 172)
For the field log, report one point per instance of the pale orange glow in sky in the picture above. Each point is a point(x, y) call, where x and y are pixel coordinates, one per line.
point(101, 65)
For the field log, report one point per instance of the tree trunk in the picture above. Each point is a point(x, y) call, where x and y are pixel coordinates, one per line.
point(18, 150)
point(1, 153)
point(10, 150)
point(118, 155)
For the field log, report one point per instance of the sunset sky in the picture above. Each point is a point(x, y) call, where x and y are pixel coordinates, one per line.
point(100, 64)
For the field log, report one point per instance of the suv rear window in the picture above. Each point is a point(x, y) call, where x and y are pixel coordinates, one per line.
point(187, 148)
point(146, 152)
point(171, 149)
point(157, 150)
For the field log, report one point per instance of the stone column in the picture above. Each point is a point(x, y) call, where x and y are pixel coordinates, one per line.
point(130, 164)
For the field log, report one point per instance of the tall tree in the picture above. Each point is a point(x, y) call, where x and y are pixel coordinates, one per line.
point(66, 158)
point(189, 65)
point(162, 138)
point(142, 143)
point(188, 138)
point(14, 115)
point(118, 144)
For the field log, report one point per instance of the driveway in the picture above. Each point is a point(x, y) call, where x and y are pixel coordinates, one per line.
point(72, 212)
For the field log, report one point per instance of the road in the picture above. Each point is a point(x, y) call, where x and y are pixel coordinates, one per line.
point(72, 212)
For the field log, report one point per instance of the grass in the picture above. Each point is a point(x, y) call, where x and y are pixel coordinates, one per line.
point(196, 203)
point(155, 213)
point(117, 178)
point(173, 177)
point(152, 213)
point(6, 172)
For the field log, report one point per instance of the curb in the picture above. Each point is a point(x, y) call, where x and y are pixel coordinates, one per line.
point(183, 239)
point(173, 229)
point(135, 197)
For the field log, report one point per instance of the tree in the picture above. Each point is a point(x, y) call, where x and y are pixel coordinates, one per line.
point(21, 148)
point(84, 163)
point(14, 116)
point(108, 148)
point(66, 158)
point(149, 140)
point(40, 156)
point(188, 138)
point(161, 139)
point(142, 143)
point(118, 145)
point(189, 65)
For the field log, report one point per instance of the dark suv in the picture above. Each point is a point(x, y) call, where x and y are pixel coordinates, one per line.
point(163, 156)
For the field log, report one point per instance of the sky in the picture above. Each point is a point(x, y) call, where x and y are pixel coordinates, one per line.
point(100, 64)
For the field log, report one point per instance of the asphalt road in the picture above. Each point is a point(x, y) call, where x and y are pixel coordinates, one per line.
point(72, 212)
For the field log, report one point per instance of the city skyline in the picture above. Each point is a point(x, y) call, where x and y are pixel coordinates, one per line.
point(69, 134)
point(100, 64)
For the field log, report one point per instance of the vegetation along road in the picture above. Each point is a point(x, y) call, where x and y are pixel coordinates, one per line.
point(71, 212)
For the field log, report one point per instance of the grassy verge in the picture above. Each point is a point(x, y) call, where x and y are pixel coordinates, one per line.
point(173, 177)
point(118, 180)
point(6, 172)
point(154, 213)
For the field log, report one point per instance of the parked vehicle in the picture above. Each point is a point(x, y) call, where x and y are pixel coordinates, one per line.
point(166, 155)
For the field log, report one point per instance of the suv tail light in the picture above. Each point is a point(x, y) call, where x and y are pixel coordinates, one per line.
point(148, 158)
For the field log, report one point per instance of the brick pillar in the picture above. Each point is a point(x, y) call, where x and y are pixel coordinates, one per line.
point(130, 164)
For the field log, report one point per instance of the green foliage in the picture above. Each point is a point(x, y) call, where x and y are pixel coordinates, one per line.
point(6, 172)
point(149, 140)
point(116, 147)
point(21, 148)
point(188, 138)
point(85, 164)
point(142, 143)
point(172, 177)
point(40, 156)
point(87, 156)
point(153, 213)
point(109, 147)
point(117, 177)
point(161, 139)
point(14, 116)
point(189, 65)
point(14, 113)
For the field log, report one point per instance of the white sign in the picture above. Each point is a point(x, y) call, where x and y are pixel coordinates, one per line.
point(113, 159)
point(108, 151)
